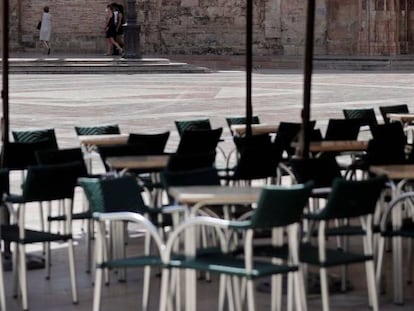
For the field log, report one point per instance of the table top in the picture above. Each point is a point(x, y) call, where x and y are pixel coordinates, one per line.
point(338, 145)
point(240, 129)
point(215, 194)
point(101, 140)
point(402, 117)
point(400, 171)
point(156, 162)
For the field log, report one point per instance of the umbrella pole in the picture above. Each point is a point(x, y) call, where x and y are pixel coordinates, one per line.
point(249, 61)
point(5, 77)
point(303, 147)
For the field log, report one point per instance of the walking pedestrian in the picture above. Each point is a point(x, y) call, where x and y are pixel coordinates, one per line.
point(46, 28)
point(110, 31)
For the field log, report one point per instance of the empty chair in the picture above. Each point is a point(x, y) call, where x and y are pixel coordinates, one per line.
point(151, 143)
point(352, 204)
point(365, 116)
point(392, 109)
point(46, 183)
point(62, 156)
point(257, 158)
point(119, 201)
point(240, 120)
point(199, 141)
point(287, 133)
point(98, 129)
point(342, 129)
point(34, 136)
point(278, 209)
point(194, 124)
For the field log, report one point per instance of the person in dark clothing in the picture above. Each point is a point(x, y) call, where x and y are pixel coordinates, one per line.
point(110, 31)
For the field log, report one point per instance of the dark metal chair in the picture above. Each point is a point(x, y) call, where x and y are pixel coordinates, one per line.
point(392, 109)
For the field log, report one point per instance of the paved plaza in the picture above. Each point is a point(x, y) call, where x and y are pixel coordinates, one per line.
point(151, 103)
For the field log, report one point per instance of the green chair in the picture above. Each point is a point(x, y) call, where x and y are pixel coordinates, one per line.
point(192, 124)
point(118, 201)
point(240, 120)
point(34, 136)
point(397, 223)
point(104, 129)
point(48, 183)
point(352, 204)
point(97, 129)
point(279, 209)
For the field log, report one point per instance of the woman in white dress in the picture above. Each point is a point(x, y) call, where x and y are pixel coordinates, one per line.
point(46, 28)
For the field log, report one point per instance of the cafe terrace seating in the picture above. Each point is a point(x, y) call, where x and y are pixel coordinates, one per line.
point(43, 183)
point(384, 110)
point(118, 201)
point(62, 156)
point(348, 200)
point(240, 120)
point(366, 116)
point(36, 135)
point(257, 158)
point(192, 124)
point(98, 129)
point(280, 210)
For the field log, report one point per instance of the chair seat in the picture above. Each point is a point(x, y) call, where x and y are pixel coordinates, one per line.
point(131, 262)
point(230, 265)
point(76, 216)
point(310, 254)
point(11, 233)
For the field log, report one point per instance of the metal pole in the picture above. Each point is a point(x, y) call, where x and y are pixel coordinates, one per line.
point(249, 60)
point(303, 146)
point(5, 77)
point(132, 32)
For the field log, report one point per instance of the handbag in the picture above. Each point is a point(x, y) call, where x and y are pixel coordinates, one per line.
point(39, 24)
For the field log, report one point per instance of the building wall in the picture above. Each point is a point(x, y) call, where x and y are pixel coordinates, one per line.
point(343, 27)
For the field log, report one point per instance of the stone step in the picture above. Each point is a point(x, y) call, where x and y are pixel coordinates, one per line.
point(199, 64)
point(60, 65)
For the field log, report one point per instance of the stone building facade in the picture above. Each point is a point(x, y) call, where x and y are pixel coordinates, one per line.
point(343, 27)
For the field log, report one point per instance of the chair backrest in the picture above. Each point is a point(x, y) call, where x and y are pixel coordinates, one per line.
point(98, 129)
point(403, 108)
point(342, 129)
point(191, 161)
point(353, 198)
point(189, 125)
point(365, 116)
point(51, 182)
point(240, 120)
point(34, 136)
point(121, 194)
point(107, 151)
point(199, 141)
point(258, 157)
point(61, 156)
point(322, 170)
point(287, 132)
point(387, 145)
point(4, 182)
point(151, 143)
point(18, 156)
point(280, 206)
point(198, 177)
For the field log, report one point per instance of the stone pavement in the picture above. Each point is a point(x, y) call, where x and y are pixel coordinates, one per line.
point(151, 103)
